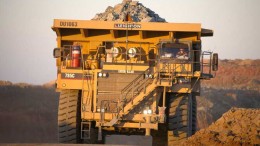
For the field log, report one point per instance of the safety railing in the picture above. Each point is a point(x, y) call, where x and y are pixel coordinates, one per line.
point(206, 64)
point(135, 80)
point(71, 58)
point(138, 85)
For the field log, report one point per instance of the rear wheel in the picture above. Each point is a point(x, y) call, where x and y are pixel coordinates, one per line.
point(69, 118)
point(181, 117)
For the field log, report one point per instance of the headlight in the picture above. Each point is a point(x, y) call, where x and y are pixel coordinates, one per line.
point(115, 51)
point(105, 75)
point(100, 74)
point(148, 76)
point(148, 111)
point(132, 52)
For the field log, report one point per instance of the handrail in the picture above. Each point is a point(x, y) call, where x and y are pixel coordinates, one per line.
point(206, 64)
point(138, 85)
point(131, 83)
point(134, 87)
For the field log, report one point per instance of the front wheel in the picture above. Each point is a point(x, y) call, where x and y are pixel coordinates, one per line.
point(181, 117)
point(69, 118)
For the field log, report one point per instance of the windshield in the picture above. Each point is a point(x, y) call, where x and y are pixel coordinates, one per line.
point(174, 50)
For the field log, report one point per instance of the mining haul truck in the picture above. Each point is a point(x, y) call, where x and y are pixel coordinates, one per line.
point(129, 79)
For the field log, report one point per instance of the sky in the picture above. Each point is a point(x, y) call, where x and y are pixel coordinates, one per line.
point(27, 40)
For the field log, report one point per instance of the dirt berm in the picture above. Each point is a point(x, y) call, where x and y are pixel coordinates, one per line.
point(238, 126)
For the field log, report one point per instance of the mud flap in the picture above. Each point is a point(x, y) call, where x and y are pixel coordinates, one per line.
point(129, 140)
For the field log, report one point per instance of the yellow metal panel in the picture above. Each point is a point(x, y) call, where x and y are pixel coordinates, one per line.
point(95, 91)
point(58, 62)
point(110, 116)
point(124, 67)
point(152, 26)
point(138, 125)
point(185, 88)
point(71, 84)
point(181, 68)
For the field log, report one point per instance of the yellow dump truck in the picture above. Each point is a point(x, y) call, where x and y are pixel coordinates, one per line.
point(129, 78)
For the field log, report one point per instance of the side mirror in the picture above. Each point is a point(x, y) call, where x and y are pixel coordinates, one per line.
point(215, 62)
point(56, 53)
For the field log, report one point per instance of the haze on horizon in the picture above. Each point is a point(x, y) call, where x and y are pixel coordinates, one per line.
point(27, 40)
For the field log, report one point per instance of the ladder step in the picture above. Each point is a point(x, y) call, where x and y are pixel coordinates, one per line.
point(85, 130)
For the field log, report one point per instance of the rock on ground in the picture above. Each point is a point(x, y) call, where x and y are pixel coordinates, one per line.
point(136, 10)
point(238, 126)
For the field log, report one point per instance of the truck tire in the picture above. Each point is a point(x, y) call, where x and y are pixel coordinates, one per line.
point(69, 117)
point(181, 117)
point(194, 114)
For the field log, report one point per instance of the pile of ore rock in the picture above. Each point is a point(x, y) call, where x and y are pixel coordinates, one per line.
point(238, 126)
point(136, 10)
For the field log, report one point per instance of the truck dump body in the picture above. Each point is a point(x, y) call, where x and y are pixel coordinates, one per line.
point(111, 25)
point(123, 75)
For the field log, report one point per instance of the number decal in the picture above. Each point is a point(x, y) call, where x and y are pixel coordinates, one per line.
point(69, 75)
point(68, 24)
